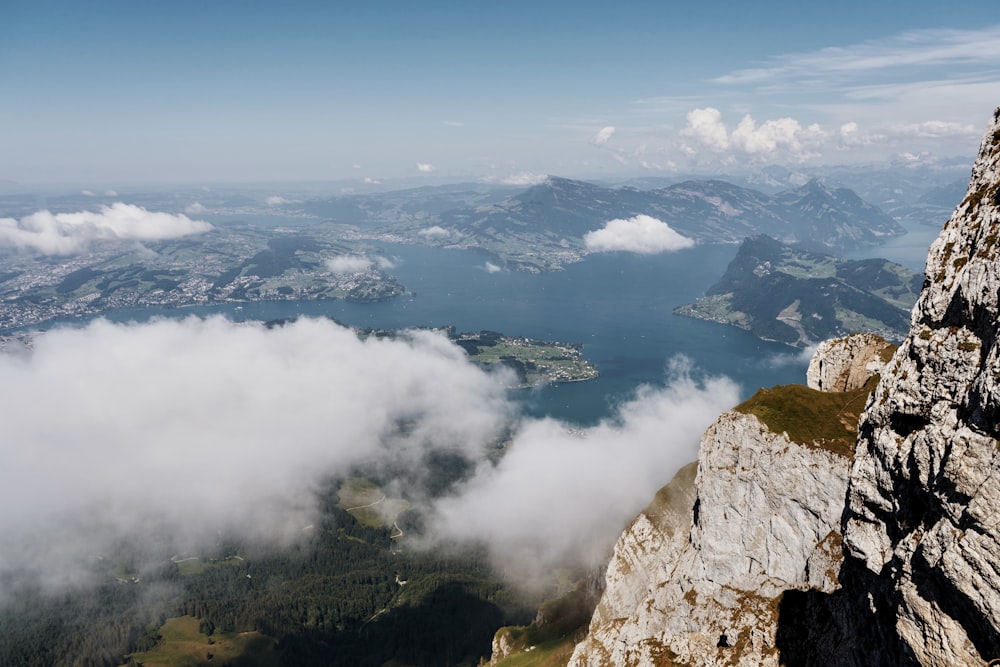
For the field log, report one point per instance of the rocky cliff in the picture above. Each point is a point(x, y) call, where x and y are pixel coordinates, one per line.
point(922, 509)
point(698, 578)
point(762, 561)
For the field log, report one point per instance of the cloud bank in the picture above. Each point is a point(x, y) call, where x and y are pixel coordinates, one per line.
point(561, 496)
point(642, 234)
point(705, 129)
point(71, 233)
point(190, 427)
point(176, 430)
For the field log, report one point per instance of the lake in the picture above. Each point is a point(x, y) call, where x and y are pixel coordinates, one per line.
point(618, 305)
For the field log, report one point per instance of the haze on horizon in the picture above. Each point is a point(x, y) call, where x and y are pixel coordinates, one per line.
point(119, 93)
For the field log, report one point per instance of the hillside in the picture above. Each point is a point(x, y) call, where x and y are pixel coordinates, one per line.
point(795, 296)
point(543, 227)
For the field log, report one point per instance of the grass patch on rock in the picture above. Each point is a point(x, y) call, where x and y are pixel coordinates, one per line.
point(824, 420)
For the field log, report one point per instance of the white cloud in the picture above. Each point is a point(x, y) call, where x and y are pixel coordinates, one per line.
point(490, 267)
point(180, 429)
point(251, 421)
point(562, 496)
point(782, 136)
point(908, 50)
point(434, 232)
point(454, 123)
point(110, 193)
point(368, 180)
point(774, 135)
point(275, 200)
point(642, 234)
point(71, 233)
point(348, 264)
point(523, 178)
point(604, 135)
point(936, 128)
point(706, 126)
point(425, 167)
point(197, 208)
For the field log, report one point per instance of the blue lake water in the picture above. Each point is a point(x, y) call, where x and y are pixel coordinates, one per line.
point(619, 306)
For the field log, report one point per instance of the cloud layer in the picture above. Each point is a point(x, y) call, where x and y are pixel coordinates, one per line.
point(642, 234)
point(71, 233)
point(561, 496)
point(180, 429)
point(191, 427)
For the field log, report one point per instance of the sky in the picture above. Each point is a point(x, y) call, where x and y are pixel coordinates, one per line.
point(125, 92)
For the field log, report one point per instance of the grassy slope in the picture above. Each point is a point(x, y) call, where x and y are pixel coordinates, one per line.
point(826, 420)
point(184, 646)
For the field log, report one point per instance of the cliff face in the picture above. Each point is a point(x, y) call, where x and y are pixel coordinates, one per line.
point(700, 584)
point(845, 364)
point(761, 562)
point(922, 510)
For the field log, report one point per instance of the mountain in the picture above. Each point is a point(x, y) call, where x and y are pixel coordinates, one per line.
point(789, 294)
point(544, 226)
point(811, 537)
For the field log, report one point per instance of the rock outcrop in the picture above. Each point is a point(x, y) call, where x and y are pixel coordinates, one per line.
point(845, 364)
point(922, 516)
point(701, 584)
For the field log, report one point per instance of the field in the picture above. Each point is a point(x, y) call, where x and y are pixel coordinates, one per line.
point(183, 645)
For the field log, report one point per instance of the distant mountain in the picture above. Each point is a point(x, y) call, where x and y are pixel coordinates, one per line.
point(796, 296)
point(543, 227)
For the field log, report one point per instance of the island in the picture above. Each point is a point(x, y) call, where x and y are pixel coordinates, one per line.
point(534, 362)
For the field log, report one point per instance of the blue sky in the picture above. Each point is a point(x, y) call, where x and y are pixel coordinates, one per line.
point(114, 93)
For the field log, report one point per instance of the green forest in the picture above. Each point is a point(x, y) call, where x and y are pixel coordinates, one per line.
point(346, 594)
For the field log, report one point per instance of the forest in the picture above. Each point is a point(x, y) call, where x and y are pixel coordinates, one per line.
point(346, 594)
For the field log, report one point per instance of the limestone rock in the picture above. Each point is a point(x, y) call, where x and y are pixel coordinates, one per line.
point(702, 586)
point(846, 364)
point(921, 515)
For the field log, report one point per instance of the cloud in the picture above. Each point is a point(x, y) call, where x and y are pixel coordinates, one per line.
point(604, 135)
point(524, 178)
point(384, 263)
point(785, 136)
point(909, 50)
point(936, 128)
point(454, 123)
point(275, 200)
point(706, 126)
point(348, 264)
point(181, 429)
point(197, 208)
point(490, 267)
point(368, 180)
point(71, 233)
point(171, 432)
point(561, 496)
point(425, 167)
point(434, 232)
point(642, 234)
